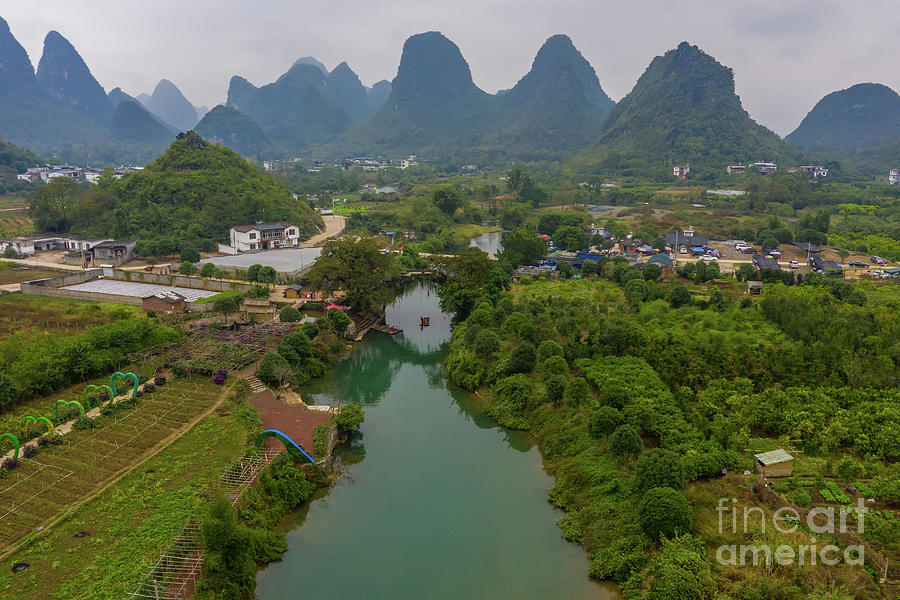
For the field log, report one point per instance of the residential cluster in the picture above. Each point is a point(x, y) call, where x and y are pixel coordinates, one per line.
point(78, 250)
point(367, 164)
point(45, 173)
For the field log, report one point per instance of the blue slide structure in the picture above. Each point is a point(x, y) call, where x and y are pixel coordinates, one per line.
point(284, 439)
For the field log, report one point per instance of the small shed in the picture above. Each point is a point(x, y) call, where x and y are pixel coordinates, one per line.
point(293, 291)
point(777, 463)
point(754, 287)
point(165, 302)
point(258, 309)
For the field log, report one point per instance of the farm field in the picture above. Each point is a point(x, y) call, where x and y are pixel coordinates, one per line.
point(20, 313)
point(107, 545)
point(13, 223)
point(44, 487)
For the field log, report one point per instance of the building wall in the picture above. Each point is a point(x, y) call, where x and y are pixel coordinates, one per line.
point(160, 305)
point(784, 469)
point(197, 283)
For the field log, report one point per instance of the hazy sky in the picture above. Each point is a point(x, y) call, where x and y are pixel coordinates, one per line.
point(786, 54)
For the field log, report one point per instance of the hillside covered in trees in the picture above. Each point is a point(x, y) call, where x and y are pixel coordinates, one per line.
point(194, 191)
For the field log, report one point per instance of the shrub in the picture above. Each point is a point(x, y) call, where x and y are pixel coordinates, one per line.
point(9, 463)
point(289, 314)
point(625, 441)
point(220, 377)
point(680, 297)
point(849, 469)
point(350, 417)
point(555, 365)
point(682, 570)
point(190, 254)
point(29, 450)
point(508, 400)
point(799, 497)
point(149, 387)
point(664, 512)
point(159, 380)
point(604, 421)
point(657, 468)
point(338, 319)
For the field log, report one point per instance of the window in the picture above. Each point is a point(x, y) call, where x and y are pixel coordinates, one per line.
point(252, 236)
point(253, 246)
point(292, 232)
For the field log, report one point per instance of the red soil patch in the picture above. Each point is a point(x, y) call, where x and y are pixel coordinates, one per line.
point(297, 421)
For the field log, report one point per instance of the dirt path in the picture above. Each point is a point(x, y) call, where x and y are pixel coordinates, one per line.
point(295, 420)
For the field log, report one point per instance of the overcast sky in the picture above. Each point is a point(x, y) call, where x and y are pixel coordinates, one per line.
point(786, 55)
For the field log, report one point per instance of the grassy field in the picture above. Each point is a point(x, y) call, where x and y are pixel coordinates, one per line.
point(16, 273)
point(20, 313)
point(44, 487)
point(463, 232)
point(122, 531)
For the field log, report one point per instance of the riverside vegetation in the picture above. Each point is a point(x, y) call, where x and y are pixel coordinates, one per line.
point(642, 392)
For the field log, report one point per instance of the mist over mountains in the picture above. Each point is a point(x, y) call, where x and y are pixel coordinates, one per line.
point(683, 109)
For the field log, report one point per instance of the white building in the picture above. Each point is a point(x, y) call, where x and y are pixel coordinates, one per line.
point(765, 167)
point(894, 176)
point(681, 171)
point(735, 169)
point(264, 236)
point(21, 246)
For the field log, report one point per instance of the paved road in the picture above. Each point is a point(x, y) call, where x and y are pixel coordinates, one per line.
point(334, 225)
point(31, 262)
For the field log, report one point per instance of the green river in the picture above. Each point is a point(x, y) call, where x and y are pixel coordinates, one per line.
point(437, 500)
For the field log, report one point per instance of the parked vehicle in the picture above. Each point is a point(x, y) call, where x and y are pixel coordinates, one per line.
point(709, 258)
point(794, 264)
point(878, 260)
point(748, 250)
point(858, 264)
point(683, 250)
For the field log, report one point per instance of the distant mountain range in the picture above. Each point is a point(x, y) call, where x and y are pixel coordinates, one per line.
point(682, 110)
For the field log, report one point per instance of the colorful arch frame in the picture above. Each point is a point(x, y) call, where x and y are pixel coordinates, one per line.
point(15, 442)
point(119, 375)
point(66, 405)
point(290, 444)
point(85, 401)
point(29, 420)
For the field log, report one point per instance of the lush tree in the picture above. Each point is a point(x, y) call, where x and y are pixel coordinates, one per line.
point(555, 386)
point(549, 348)
point(289, 314)
point(338, 319)
point(533, 195)
point(570, 237)
point(187, 268)
point(359, 269)
point(190, 254)
point(636, 291)
point(208, 270)
point(274, 370)
point(577, 392)
point(253, 272)
point(679, 297)
point(227, 304)
point(523, 359)
point(521, 247)
point(487, 343)
point(295, 347)
point(52, 205)
point(625, 441)
point(466, 276)
point(657, 468)
point(447, 198)
point(350, 417)
point(267, 274)
point(664, 512)
point(652, 272)
point(604, 421)
point(518, 178)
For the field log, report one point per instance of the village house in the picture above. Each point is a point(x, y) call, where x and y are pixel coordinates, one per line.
point(264, 236)
point(894, 176)
point(777, 463)
point(681, 171)
point(664, 260)
point(258, 309)
point(815, 170)
point(21, 246)
point(766, 168)
point(688, 239)
point(826, 267)
point(112, 252)
point(754, 288)
point(165, 302)
point(730, 169)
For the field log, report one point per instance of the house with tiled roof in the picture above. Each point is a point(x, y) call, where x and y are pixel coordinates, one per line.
point(264, 236)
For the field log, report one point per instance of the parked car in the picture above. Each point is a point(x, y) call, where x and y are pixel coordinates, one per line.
point(794, 264)
point(741, 246)
point(709, 258)
point(748, 250)
point(878, 260)
point(858, 264)
point(683, 250)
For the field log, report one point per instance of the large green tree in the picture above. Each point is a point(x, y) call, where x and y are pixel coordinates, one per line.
point(360, 269)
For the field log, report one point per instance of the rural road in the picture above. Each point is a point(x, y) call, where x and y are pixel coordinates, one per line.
point(334, 225)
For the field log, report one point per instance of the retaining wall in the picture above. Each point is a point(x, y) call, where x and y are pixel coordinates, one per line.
point(185, 281)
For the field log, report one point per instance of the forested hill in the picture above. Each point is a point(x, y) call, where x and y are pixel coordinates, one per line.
point(683, 110)
point(865, 115)
point(194, 191)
